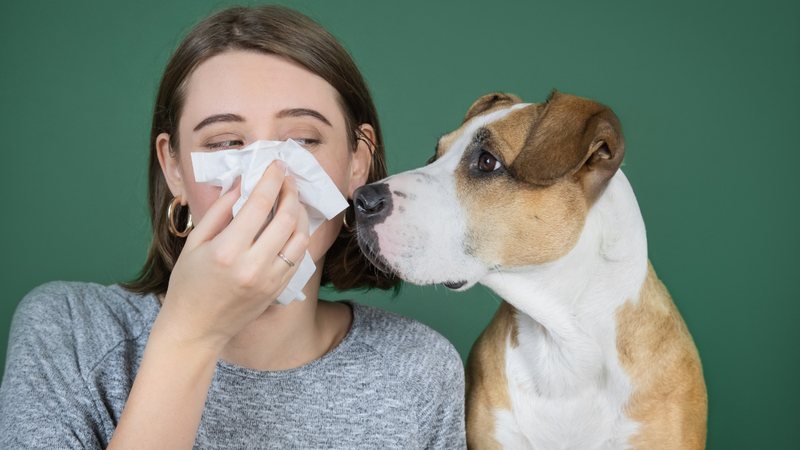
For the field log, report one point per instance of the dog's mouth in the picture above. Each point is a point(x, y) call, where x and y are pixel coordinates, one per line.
point(367, 240)
point(454, 284)
point(369, 247)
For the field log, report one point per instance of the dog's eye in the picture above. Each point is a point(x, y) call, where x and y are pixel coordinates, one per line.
point(487, 162)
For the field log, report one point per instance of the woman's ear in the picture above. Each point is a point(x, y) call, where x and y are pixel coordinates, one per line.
point(170, 166)
point(362, 158)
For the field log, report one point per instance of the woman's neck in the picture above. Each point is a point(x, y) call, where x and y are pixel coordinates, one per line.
point(289, 336)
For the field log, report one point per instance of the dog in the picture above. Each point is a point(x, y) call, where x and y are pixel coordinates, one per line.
point(587, 349)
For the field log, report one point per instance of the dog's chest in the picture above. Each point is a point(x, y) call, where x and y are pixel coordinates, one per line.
point(563, 398)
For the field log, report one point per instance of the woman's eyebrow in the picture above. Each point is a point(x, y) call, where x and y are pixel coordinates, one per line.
point(218, 118)
point(299, 112)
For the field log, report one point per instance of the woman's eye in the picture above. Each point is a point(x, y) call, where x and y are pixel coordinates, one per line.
point(487, 162)
point(306, 142)
point(225, 144)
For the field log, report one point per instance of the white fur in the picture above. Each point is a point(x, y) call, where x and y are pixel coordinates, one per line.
point(566, 385)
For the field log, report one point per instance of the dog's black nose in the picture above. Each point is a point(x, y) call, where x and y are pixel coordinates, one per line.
point(373, 202)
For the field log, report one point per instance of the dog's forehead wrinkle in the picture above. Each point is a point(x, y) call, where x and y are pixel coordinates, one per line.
point(482, 135)
point(482, 140)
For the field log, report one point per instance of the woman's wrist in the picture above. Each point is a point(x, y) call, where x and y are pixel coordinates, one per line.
point(166, 400)
point(181, 336)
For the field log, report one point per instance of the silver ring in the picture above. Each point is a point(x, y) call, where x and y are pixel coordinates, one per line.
point(285, 259)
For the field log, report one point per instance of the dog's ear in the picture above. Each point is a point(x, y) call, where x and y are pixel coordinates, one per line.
point(491, 101)
point(571, 136)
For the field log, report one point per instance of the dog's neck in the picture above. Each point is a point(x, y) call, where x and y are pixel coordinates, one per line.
point(573, 301)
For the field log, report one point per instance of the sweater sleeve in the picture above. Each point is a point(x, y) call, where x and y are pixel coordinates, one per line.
point(44, 400)
point(442, 417)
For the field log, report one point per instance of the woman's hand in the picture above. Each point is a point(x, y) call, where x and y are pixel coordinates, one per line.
point(227, 274)
point(229, 271)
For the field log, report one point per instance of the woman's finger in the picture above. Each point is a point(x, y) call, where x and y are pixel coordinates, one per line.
point(248, 222)
point(296, 246)
point(290, 218)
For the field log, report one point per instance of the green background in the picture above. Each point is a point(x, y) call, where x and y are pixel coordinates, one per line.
point(708, 94)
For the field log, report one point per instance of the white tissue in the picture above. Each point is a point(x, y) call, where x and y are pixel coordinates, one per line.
point(317, 192)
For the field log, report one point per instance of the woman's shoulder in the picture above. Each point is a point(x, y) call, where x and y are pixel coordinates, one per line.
point(77, 302)
point(88, 315)
point(405, 341)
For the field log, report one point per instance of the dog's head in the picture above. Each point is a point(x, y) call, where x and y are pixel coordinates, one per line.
point(511, 187)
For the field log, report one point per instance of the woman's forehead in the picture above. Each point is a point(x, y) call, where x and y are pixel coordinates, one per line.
point(256, 85)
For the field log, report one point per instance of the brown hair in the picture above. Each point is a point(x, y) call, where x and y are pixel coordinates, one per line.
point(279, 31)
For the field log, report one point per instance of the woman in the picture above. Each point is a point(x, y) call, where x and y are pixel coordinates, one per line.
point(195, 351)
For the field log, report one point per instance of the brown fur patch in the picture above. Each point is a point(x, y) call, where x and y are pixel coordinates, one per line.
point(658, 353)
point(564, 138)
point(490, 102)
point(514, 224)
point(487, 386)
point(510, 133)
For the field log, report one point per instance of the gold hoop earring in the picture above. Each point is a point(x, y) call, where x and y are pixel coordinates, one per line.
point(173, 229)
point(347, 225)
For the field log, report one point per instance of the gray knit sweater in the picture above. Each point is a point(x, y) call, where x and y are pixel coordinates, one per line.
point(74, 350)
